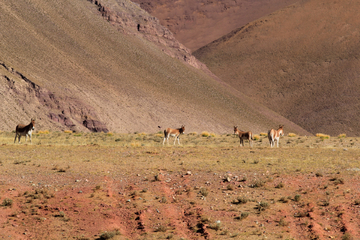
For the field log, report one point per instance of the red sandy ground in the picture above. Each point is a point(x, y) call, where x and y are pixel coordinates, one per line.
point(140, 207)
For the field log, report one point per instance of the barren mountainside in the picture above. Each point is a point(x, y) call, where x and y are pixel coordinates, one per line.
point(301, 61)
point(197, 23)
point(108, 66)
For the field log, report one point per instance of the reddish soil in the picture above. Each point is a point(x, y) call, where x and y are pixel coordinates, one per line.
point(144, 207)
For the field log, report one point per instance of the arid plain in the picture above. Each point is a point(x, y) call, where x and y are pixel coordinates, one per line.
point(130, 186)
point(101, 76)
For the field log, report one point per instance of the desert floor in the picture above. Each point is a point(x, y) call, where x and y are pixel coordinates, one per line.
point(130, 186)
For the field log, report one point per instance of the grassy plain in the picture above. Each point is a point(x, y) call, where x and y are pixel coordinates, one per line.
point(130, 186)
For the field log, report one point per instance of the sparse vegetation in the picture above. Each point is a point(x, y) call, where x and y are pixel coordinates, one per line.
point(301, 214)
point(205, 134)
point(322, 136)
point(161, 228)
point(283, 200)
point(257, 183)
point(242, 216)
point(283, 223)
point(262, 206)
point(78, 64)
point(108, 235)
point(240, 200)
point(297, 197)
point(204, 192)
point(7, 202)
point(43, 132)
point(215, 226)
point(133, 177)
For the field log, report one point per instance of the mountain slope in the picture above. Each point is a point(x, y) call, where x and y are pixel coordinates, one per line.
point(67, 64)
point(301, 61)
point(197, 23)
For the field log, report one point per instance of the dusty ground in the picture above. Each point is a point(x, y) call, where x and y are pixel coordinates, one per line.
point(102, 186)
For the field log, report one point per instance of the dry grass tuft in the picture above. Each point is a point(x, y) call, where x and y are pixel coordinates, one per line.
point(205, 134)
point(263, 134)
point(242, 216)
point(43, 132)
point(67, 131)
point(343, 135)
point(292, 135)
point(256, 137)
point(323, 136)
point(7, 202)
point(193, 134)
point(135, 144)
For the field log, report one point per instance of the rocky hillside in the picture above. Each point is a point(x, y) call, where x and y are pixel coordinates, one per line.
point(196, 23)
point(301, 61)
point(109, 66)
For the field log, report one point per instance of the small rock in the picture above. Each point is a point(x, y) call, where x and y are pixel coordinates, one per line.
point(188, 173)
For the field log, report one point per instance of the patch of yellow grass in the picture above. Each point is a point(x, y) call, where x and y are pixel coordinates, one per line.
point(135, 144)
point(323, 136)
point(142, 134)
point(193, 134)
point(205, 134)
point(291, 135)
point(263, 134)
point(110, 134)
point(256, 137)
point(67, 131)
point(212, 135)
point(159, 135)
point(43, 132)
point(343, 135)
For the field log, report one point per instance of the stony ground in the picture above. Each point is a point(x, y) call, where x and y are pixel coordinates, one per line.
point(113, 186)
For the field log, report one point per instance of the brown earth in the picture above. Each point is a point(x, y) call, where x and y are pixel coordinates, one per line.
point(198, 23)
point(109, 66)
point(56, 188)
point(301, 61)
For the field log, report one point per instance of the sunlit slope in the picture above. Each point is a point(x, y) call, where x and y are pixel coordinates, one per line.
point(64, 64)
point(301, 61)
